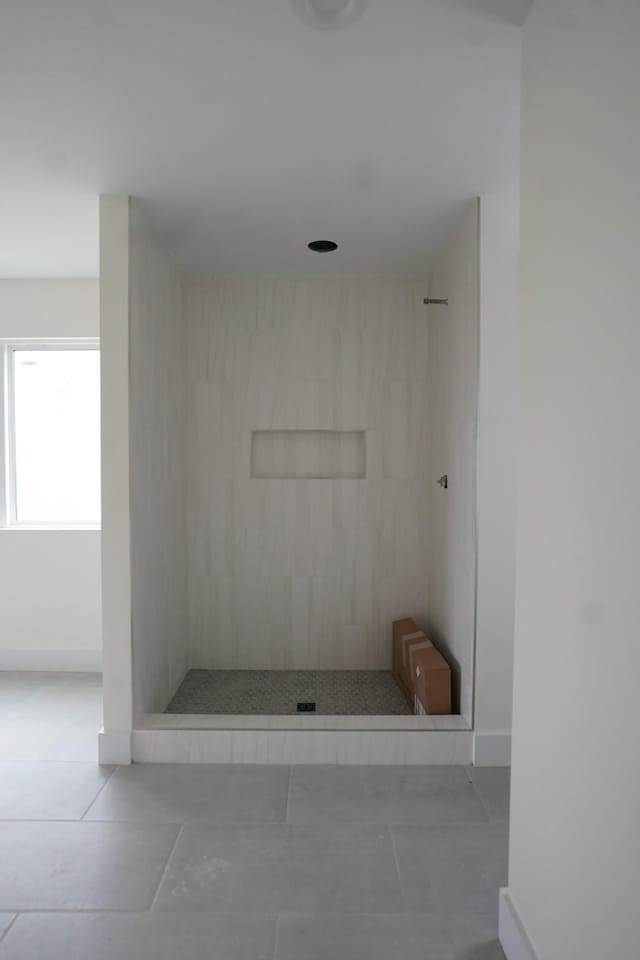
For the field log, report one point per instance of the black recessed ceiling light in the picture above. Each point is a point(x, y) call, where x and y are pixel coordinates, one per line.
point(322, 246)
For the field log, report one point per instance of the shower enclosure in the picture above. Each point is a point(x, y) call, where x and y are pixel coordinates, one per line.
point(286, 436)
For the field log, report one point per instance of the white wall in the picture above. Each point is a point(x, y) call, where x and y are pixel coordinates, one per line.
point(49, 308)
point(292, 573)
point(158, 471)
point(574, 874)
point(496, 499)
point(452, 402)
point(50, 578)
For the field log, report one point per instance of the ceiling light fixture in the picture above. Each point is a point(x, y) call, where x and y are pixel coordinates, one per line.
point(328, 8)
point(329, 14)
point(322, 246)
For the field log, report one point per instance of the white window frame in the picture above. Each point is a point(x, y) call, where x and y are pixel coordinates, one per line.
point(8, 500)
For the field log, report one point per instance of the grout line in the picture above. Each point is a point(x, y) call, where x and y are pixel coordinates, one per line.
point(356, 822)
point(133, 823)
point(6, 932)
point(72, 911)
point(106, 781)
point(166, 868)
point(139, 911)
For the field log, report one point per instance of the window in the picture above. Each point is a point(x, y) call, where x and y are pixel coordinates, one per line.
point(51, 434)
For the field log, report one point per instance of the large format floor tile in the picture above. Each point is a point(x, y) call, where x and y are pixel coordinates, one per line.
point(492, 784)
point(474, 937)
point(360, 794)
point(272, 869)
point(61, 703)
point(363, 937)
point(360, 862)
point(14, 690)
point(49, 791)
point(77, 743)
point(52, 716)
point(81, 866)
point(26, 739)
point(150, 936)
point(180, 793)
point(460, 867)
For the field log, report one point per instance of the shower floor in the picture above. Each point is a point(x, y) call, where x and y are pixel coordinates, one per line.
point(334, 692)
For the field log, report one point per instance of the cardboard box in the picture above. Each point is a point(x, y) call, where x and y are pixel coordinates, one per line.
point(413, 649)
point(403, 632)
point(431, 680)
point(398, 629)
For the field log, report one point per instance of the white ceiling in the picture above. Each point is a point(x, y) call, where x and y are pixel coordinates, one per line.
point(247, 133)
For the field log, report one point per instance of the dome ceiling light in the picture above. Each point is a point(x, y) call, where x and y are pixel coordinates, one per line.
point(329, 14)
point(328, 8)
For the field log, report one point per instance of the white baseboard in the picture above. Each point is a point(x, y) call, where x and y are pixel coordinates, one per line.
point(114, 747)
point(492, 750)
point(513, 936)
point(67, 661)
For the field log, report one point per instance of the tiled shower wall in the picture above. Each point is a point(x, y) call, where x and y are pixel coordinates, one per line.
point(305, 573)
point(158, 478)
point(453, 450)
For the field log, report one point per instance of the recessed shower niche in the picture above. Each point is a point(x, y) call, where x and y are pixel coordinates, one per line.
point(308, 454)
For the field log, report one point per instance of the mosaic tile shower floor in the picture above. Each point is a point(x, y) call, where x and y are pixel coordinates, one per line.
point(334, 692)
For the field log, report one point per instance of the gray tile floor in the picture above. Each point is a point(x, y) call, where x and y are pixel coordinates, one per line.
point(50, 716)
point(341, 692)
point(242, 862)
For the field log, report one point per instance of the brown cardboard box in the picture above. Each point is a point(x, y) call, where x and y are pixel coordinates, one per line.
point(404, 631)
point(413, 648)
point(398, 629)
point(431, 680)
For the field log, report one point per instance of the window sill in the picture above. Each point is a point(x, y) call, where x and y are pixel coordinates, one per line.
point(52, 527)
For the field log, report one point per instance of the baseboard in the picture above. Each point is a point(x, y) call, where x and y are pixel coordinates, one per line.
point(513, 936)
point(67, 661)
point(492, 750)
point(114, 747)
